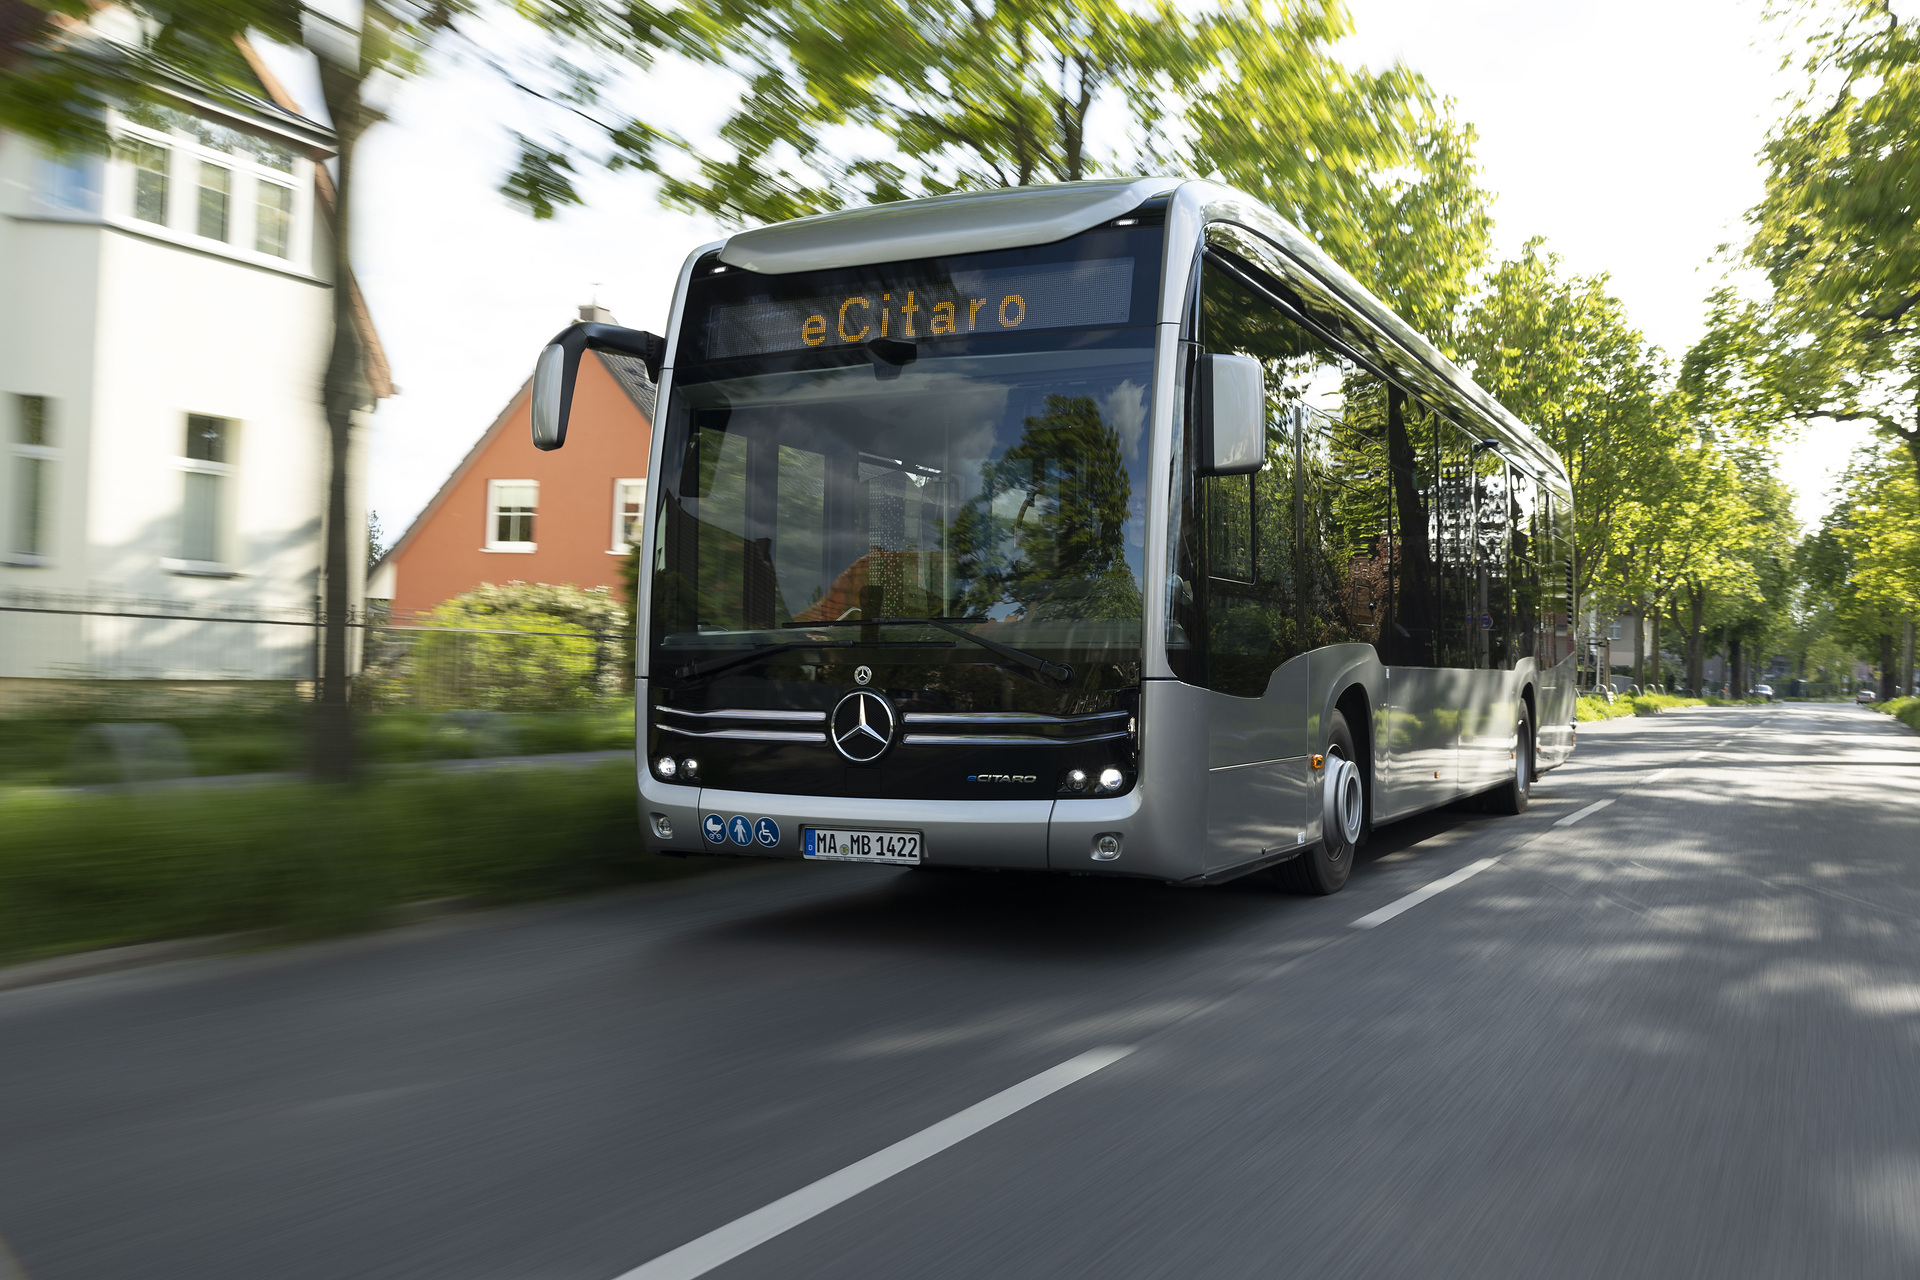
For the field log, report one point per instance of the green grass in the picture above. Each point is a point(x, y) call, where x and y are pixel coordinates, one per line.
point(37, 751)
point(1587, 709)
point(1905, 710)
point(90, 870)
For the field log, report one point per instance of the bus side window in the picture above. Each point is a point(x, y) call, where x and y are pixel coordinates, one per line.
point(1249, 606)
point(1523, 568)
point(1413, 455)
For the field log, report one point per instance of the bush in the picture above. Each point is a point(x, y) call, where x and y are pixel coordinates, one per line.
point(1905, 710)
point(97, 870)
point(1652, 704)
point(1586, 709)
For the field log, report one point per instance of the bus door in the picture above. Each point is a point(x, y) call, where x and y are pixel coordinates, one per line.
point(1257, 777)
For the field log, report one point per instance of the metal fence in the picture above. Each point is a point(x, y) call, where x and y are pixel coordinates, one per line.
point(54, 646)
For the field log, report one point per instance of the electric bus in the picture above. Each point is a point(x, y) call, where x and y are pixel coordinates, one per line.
point(1102, 527)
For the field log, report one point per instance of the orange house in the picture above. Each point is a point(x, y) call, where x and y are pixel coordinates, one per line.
point(510, 512)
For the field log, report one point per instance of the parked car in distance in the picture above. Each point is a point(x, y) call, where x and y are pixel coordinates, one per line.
point(1865, 695)
point(1763, 691)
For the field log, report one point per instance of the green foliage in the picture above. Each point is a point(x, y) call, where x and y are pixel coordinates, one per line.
point(87, 871)
point(1559, 352)
point(846, 105)
point(1652, 704)
point(1586, 710)
point(1836, 239)
point(1905, 710)
point(516, 647)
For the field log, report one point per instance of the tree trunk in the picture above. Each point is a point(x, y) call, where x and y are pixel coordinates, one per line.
point(1640, 647)
point(1906, 660)
point(342, 392)
point(1696, 643)
point(1887, 676)
point(1739, 682)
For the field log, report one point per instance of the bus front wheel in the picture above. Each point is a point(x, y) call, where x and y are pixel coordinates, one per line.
point(1323, 867)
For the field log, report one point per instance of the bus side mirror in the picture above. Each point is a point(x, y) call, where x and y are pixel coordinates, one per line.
point(559, 365)
point(1232, 404)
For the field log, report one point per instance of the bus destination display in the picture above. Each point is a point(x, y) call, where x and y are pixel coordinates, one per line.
point(1064, 295)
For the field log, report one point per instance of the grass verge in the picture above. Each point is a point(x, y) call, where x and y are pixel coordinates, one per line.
point(1905, 710)
point(82, 871)
point(1587, 709)
point(1652, 704)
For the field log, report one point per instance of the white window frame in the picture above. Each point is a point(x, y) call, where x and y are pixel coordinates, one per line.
point(493, 518)
point(18, 452)
point(621, 546)
point(245, 173)
point(224, 471)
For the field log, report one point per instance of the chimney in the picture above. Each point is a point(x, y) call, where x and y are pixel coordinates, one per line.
point(594, 313)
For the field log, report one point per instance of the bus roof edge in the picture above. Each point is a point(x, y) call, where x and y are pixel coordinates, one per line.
point(965, 222)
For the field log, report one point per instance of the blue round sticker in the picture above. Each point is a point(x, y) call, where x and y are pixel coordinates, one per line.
point(767, 832)
point(738, 830)
point(714, 827)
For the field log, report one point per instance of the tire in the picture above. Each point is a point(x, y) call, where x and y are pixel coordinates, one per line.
point(1511, 796)
point(1322, 868)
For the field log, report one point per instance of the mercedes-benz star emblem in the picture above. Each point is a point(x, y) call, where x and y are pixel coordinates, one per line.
point(862, 726)
point(863, 675)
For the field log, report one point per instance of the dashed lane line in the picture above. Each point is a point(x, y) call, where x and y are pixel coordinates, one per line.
point(1578, 814)
point(724, 1244)
point(1375, 918)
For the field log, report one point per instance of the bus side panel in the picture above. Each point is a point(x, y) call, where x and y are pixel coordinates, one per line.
point(1162, 822)
point(1423, 740)
point(1256, 782)
point(1486, 729)
point(1556, 695)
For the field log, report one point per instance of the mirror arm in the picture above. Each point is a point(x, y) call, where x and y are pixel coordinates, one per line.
point(559, 366)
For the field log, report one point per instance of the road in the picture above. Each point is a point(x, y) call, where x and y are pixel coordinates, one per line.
point(1679, 1036)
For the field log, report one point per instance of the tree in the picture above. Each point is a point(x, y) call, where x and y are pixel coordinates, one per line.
point(1838, 241)
point(1559, 352)
point(857, 104)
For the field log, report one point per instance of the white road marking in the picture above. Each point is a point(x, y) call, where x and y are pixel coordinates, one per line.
point(1419, 896)
point(1578, 814)
point(1652, 778)
point(724, 1244)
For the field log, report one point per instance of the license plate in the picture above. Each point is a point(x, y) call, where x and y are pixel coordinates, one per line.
point(901, 848)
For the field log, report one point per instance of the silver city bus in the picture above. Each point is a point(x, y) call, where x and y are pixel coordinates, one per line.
point(1102, 527)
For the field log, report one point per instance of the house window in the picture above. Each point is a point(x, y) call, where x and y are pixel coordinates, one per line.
point(216, 185)
point(272, 218)
point(149, 162)
point(206, 469)
point(510, 507)
point(70, 184)
point(629, 508)
point(29, 527)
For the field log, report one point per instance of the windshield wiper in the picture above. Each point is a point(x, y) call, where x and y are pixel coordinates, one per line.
point(1061, 671)
point(695, 670)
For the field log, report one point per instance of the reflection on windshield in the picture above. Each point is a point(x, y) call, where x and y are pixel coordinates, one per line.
point(1009, 487)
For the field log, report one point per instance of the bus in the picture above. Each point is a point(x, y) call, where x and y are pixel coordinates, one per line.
point(1101, 527)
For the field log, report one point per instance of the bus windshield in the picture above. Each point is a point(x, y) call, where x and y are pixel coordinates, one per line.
point(993, 480)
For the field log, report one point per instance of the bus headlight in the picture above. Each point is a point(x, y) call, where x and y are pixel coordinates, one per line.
point(666, 768)
point(1110, 779)
point(690, 770)
point(1106, 847)
point(1075, 781)
point(662, 827)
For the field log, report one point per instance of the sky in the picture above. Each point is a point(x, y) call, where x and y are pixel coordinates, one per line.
point(1624, 133)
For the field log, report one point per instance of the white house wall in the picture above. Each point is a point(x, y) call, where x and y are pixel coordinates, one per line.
point(127, 328)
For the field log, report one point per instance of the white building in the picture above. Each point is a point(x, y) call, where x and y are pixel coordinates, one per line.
point(164, 322)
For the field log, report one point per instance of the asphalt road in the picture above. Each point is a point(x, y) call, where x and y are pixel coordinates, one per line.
point(1678, 1037)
